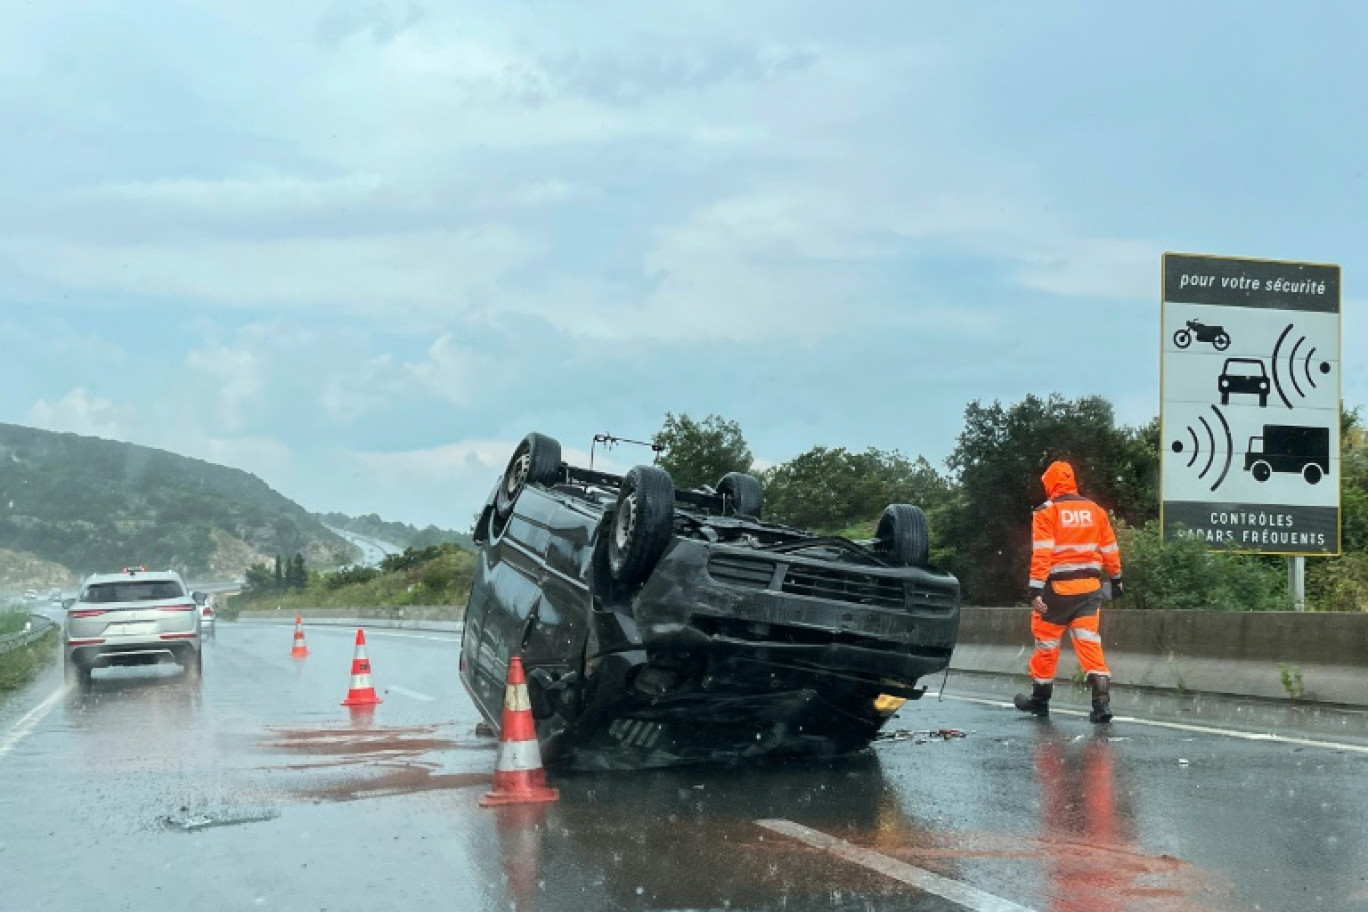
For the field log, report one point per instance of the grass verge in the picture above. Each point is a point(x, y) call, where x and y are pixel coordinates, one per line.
point(12, 621)
point(18, 666)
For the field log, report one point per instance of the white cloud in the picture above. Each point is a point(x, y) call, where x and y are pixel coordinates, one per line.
point(271, 196)
point(238, 381)
point(458, 372)
point(435, 270)
point(80, 412)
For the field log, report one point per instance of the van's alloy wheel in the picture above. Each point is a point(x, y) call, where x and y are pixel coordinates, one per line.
point(537, 460)
point(643, 524)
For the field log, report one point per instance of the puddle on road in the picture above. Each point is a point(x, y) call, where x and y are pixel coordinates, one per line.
point(1089, 872)
point(404, 779)
point(348, 746)
point(385, 761)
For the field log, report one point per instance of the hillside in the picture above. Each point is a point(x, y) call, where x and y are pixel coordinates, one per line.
point(90, 504)
point(396, 533)
point(433, 575)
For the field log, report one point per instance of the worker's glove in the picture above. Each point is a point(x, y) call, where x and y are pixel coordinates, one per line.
point(1117, 589)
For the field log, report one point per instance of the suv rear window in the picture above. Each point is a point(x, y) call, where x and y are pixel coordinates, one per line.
point(140, 591)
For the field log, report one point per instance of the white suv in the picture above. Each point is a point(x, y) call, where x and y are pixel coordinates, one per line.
point(135, 617)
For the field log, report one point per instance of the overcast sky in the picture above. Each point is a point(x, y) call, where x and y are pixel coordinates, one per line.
point(360, 247)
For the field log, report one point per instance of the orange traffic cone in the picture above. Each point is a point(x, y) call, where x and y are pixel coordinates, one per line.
point(300, 649)
point(518, 774)
point(362, 692)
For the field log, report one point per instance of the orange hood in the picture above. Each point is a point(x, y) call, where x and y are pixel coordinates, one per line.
point(1059, 479)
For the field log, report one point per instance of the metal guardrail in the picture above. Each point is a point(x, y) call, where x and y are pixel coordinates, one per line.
point(37, 627)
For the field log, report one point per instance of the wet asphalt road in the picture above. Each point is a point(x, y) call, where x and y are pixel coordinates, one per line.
point(260, 792)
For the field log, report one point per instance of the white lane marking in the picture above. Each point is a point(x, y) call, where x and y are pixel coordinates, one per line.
point(960, 893)
point(412, 694)
point(376, 631)
point(453, 638)
point(25, 726)
point(1188, 727)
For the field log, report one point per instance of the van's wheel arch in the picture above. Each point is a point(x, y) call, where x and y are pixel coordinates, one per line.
point(903, 536)
point(642, 524)
point(536, 460)
point(743, 494)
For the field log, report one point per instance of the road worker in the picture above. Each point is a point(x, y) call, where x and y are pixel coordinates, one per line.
point(1072, 544)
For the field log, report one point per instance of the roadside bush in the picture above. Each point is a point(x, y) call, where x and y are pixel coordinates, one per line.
point(1338, 583)
point(349, 576)
point(1183, 574)
point(18, 666)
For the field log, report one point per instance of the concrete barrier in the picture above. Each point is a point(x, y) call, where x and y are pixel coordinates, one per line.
point(1315, 658)
point(436, 619)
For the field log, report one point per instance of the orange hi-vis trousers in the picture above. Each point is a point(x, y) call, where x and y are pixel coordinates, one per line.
point(1087, 644)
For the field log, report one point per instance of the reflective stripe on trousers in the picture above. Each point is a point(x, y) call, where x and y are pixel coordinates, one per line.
point(1087, 643)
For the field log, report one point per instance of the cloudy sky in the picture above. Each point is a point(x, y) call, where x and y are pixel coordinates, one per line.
point(360, 247)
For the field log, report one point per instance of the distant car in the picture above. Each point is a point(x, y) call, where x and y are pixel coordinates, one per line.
point(30, 595)
point(208, 620)
point(55, 596)
point(1246, 376)
point(661, 627)
point(135, 617)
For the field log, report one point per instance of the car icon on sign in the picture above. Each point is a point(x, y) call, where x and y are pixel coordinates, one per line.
point(1244, 375)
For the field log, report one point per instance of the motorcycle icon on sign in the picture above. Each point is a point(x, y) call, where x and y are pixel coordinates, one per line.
point(1216, 335)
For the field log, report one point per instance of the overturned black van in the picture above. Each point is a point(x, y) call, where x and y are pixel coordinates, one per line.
point(661, 626)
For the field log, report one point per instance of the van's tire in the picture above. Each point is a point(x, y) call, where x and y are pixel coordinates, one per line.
point(642, 524)
point(743, 493)
point(537, 460)
point(903, 536)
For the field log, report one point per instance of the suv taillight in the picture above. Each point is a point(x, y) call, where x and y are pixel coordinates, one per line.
point(189, 607)
point(88, 613)
point(208, 612)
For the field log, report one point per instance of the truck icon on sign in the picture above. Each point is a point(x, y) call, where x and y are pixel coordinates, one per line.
point(1289, 448)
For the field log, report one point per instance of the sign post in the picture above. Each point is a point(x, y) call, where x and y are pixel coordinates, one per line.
point(1250, 414)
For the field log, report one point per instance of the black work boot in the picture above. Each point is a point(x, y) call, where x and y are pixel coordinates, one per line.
point(1101, 699)
point(1038, 703)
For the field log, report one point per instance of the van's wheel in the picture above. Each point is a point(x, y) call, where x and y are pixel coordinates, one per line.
point(903, 536)
point(537, 460)
point(744, 497)
point(643, 522)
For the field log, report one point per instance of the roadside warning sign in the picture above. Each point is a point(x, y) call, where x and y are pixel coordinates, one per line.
point(1250, 374)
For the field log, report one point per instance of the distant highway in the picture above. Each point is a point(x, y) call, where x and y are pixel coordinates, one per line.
point(373, 550)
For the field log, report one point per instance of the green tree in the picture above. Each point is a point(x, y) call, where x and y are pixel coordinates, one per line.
point(296, 575)
point(259, 580)
point(700, 453)
point(279, 574)
point(832, 489)
point(1341, 583)
point(998, 461)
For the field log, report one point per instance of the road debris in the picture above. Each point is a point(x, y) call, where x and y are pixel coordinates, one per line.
point(920, 737)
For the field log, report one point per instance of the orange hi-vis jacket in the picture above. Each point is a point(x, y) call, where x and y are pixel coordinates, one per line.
point(1072, 540)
